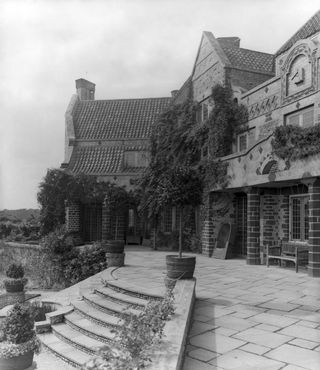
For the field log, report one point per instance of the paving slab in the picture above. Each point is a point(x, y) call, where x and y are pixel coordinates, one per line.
point(296, 356)
point(302, 333)
point(262, 337)
point(242, 360)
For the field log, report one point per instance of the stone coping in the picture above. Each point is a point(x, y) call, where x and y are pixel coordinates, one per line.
point(170, 354)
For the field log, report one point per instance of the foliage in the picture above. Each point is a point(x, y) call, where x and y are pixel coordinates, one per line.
point(15, 271)
point(9, 350)
point(60, 186)
point(136, 338)
point(39, 310)
point(18, 324)
point(293, 142)
point(85, 264)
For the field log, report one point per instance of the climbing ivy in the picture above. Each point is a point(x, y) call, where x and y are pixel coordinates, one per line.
point(291, 143)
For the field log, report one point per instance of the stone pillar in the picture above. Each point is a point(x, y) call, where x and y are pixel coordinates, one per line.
point(314, 228)
point(253, 226)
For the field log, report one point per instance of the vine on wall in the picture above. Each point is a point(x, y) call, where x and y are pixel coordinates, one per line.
point(291, 143)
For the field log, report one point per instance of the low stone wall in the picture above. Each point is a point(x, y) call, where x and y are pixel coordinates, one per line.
point(170, 353)
point(11, 252)
point(37, 265)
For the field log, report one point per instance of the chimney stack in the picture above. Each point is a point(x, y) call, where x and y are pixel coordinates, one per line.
point(229, 42)
point(174, 93)
point(85, 89)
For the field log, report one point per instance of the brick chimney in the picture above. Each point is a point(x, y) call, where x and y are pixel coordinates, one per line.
point(229, 42)
point(85, 89)
point(174, 93)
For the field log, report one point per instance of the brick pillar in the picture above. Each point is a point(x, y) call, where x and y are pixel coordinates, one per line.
point(314, 228)
point(106, 223)
point(253, 226)
point(206, 226)
point(72, 217)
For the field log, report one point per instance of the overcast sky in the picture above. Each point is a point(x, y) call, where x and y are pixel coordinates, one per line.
point(129, 49)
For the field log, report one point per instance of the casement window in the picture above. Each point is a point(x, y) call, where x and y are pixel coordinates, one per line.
point(303, 118)
point(131, 219)
point(242, 142)
point(203, 112)
point(167, 220)
point(299, 218)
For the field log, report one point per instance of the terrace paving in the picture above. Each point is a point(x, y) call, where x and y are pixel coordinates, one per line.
point(245, 317)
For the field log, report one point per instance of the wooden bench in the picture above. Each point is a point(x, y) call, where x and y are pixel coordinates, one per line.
point(288, 252)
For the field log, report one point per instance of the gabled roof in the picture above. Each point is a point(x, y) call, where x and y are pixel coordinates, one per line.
point(311, 27)
point(117, 119)
point(101, 160)
point(184, 93)
point(249, 59)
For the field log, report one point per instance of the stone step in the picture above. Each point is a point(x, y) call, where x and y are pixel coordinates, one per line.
point(63, 350)
point(122, 287)
point(93, 314)
point(89, 328)
point(77, 339)
point(122, 298)
point(107, 306)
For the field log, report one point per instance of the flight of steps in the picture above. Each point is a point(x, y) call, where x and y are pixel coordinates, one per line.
point(89, 326)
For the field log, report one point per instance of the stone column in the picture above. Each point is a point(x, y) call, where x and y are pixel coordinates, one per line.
point(206, 226)
point(314, 228)
point(253, 226)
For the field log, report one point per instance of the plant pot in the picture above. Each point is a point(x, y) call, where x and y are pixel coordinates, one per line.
point(17, 363)
point(14, 285)
point(114, 246)
point(115, 259)
point(180, 267)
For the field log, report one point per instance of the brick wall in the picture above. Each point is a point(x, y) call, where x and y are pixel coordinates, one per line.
point(73, 217)
point(217, 208)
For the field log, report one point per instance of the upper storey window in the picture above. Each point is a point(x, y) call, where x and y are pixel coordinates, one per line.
point(303, 118)
point(242, 142)
point(136, 159)
point(203, 112)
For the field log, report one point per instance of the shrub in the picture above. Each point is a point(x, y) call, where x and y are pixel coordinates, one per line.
point(136, 338)
point(85, 264)
point(15, 271)
point(18, 325)
point(17, 333)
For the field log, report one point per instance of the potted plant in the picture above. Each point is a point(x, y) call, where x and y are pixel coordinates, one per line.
point(15, 281)
point(18, 341)
point(177, 186)
point(117, 202)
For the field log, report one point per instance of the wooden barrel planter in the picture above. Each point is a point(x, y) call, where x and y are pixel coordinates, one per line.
point(114, 246)
point(14, 285)
point(17, 363)
point(180, 267)
point(115, 259)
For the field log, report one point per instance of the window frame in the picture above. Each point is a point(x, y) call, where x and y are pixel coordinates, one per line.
point(243, 134)
point(299, 113)
point(304, 218)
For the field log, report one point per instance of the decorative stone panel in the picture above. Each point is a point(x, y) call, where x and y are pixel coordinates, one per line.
point(253, 231)
point(73, 217)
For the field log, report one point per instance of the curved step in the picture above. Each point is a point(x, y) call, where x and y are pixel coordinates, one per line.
point(117, 286)
point(63, 350)
point(122, 298)
point(93, 314)
point(77, 339)
point(107, 306)
point(89, 328)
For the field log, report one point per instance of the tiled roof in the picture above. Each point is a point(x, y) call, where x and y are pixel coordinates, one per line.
point(249, 59)
point(307, 30)
point(101, 160)
point(117, 119)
